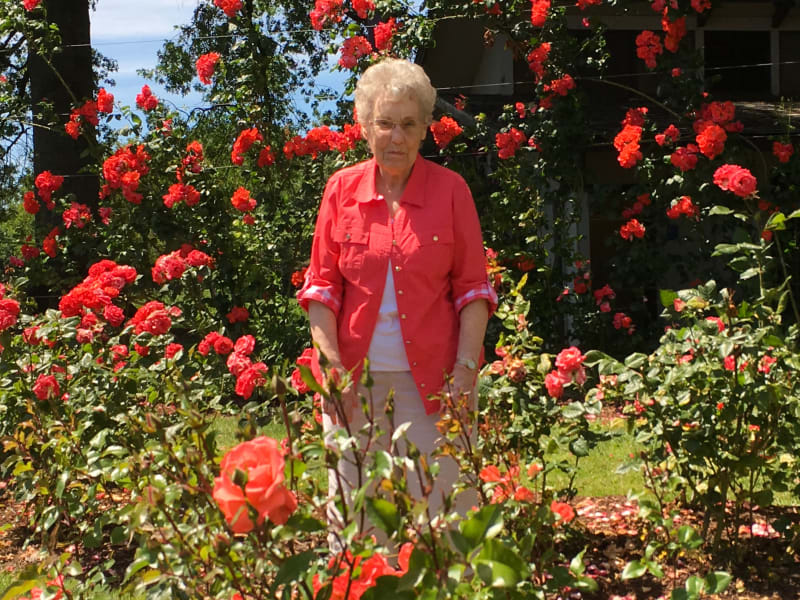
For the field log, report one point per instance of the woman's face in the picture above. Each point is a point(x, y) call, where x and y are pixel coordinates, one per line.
point(395, 133)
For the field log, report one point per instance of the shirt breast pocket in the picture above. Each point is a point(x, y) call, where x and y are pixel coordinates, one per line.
point(353, 244)
point(435, 250)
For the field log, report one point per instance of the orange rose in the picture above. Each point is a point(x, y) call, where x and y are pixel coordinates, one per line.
point(261, 459)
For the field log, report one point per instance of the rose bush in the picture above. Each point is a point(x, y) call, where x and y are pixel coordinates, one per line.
point(203, 223)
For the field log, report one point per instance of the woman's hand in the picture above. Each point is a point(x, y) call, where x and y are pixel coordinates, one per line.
point(464, 381)
point(348, 398)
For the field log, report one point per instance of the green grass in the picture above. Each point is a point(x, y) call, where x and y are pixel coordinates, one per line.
point(5, 580)
point(597, 472)
point(227, 426)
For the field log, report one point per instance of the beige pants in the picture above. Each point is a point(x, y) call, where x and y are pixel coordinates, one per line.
point(422, 433)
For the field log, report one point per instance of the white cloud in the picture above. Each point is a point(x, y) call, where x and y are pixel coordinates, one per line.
point(117, 20)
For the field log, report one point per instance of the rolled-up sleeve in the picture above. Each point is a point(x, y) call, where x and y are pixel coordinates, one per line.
point(469, 279)
point(323, 282)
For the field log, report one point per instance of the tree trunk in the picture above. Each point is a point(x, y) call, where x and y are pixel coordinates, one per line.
point(63, 80)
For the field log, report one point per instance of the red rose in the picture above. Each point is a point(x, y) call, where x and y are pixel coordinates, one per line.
point(205, 65)
point(554, 382)
point(222, 345)
point(242, 201)
point(105, 101)
point(298, 383)
point(9, 310)
point(735, 179)
point(299, 277)
point(444, 130)
point(539, 10)
point(243, 143)
point(783, 152)
point(30, 203)
point(352, 49)
point(251, 378)
point(383, 34)
point(718, 322)
point(237, 364)
point(245, 345)
point(563, 510)
point(229, 7)
point(238, 314)
point(631, 229)
point(46, 386)
point(569, 359)
point(171, 350)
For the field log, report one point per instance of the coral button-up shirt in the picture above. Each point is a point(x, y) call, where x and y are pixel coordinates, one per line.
point(435, 247)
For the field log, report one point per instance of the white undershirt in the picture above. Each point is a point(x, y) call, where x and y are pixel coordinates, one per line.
point(386, 350)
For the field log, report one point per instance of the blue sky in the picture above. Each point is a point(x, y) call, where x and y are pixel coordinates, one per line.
point(132, 31)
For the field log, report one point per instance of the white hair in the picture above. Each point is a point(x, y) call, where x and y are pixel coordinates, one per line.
point(397, 78)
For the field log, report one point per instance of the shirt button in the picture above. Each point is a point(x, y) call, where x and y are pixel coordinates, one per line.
point(422, 385)
point(394, 242)
point(347, 236)
point(408, 341)
point(397, 268)
point(403, 316)
point(400, 292)
point(436, 238)
point(414, 364)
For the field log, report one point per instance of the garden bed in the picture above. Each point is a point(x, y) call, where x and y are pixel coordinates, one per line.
point(611, 531)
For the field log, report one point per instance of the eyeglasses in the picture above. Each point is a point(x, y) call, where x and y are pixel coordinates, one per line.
point(386, 126)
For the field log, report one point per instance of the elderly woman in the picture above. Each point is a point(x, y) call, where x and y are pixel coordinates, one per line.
point(397, 272)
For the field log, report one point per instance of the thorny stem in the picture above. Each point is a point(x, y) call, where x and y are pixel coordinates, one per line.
point(786, 277)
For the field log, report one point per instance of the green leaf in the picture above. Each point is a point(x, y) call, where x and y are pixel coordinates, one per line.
point(459, 541)
point(633, 570)
point(308, 378)
point(136, 566)
point(496, 574)
point(294, 567)
point(383, 514)
point(117, 535)
point(679, 594)
point(776, 222)
point(750, 273)
point(719, 210)
point(655, 569)
point(593, 357)
point(572, 410)
point(694, 586)
point(61, 483)
point(576, 566)
point(794, 215)
point(717, 582)
point(386, 588)
point(19, 589)
point(483, 525)
point(668, 298)
point(303, 523)
point(585, 584)
point(579, 447)
point(635, 360)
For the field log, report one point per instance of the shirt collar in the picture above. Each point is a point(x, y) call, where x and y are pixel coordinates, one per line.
point(415, 187)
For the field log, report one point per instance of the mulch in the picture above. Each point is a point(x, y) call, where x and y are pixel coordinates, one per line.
point(610, 530)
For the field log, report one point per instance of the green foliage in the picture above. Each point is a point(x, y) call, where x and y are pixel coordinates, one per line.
point(716, 406)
